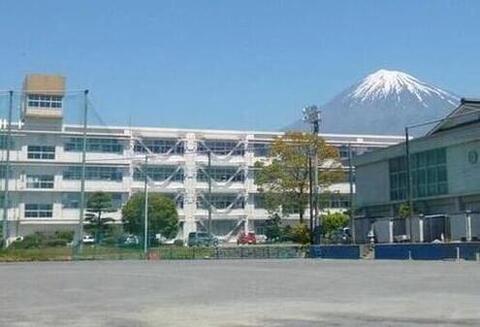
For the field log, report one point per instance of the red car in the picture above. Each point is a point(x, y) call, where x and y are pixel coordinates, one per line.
point(247, 238)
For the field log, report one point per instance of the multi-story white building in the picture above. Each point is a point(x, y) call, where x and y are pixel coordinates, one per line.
point(46, 155)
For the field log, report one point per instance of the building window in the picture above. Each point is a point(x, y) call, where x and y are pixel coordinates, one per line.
point(221, 148)
point(221, 174)
point(398, 178)
point(221, 201)
point(71, 200)
point(117, 200)
point(98, 173)
point(39, 181)
point(344, 152)
point(3, 142)
point(40, 152)
point(159, 173)
point(334, 200)
point(173, 146)
point(38, 210)
point(259, 200)
point(75, 144)
point(44, 101)
point(428, 174)
point(262, 149)
point(3, 171)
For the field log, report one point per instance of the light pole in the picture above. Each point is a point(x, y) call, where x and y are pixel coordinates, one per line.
point(8, 142)
point(310, 193)
point(350, 181)
point(79, 242)
point(311, 114)
point(209, 169)
point(145, 231)
point(409, 183)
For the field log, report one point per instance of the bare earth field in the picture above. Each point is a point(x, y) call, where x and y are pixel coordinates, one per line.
point(294, 292)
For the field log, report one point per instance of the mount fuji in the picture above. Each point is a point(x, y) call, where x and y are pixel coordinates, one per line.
point(384, 103)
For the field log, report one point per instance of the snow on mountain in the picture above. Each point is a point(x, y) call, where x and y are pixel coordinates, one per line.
point(384, 103)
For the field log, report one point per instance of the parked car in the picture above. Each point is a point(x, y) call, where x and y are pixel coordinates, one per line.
point(341, 236)
point(201, 239)
point(261, 238)
point(131, 240)
point(88, 239)
point(247, 238)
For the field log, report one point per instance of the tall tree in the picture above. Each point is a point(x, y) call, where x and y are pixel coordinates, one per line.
point(98, 204)
point(162, 215)
point(285, 181)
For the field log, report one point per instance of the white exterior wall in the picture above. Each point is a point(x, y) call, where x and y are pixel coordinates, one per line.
point(190, 161)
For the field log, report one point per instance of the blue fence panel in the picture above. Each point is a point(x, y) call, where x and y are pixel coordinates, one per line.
point(467, 251)
point(433, 252)
point(391, 251)
point(335, 251)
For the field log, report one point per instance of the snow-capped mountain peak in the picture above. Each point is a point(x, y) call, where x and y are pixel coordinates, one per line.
point(391, 83)
point(384, 102)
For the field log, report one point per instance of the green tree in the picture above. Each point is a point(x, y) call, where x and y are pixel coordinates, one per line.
point(404, 211)
point(273, 230)
point(96, 223)
point(300, 233)
point(162, 215)
point(285, 181)
point(334, 221)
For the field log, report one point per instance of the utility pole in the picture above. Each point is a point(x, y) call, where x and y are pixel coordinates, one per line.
point(409, 183)
point(311, 114)
point(8, 141)
point(82, 181)
point(145, 231)
point(209, 169)
point(350, 181)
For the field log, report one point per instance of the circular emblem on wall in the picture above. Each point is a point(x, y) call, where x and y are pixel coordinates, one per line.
point(472, 157)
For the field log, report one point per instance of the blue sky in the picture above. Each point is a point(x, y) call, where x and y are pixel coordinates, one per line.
point(234, 64)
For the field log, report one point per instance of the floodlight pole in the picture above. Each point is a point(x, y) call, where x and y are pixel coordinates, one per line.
point(5, 233)
point(310, 191)
point(82, 180)
point(316, 130)
point(312, 116)
point(145, 231)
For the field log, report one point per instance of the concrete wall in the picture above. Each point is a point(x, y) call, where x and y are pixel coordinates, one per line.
point(372, 184)
point(463, 175)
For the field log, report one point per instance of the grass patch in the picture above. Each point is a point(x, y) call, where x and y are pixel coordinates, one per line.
point(43, 254)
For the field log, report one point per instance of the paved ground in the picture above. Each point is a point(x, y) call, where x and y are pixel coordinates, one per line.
point(240, 293)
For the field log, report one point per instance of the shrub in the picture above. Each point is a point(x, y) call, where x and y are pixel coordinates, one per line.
point(64, 235)
point(55, 242)
point(178, 243)
point(109, 241)
point(300, 233)
point(30, 241)
point(41, 240)
point(332, 222)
